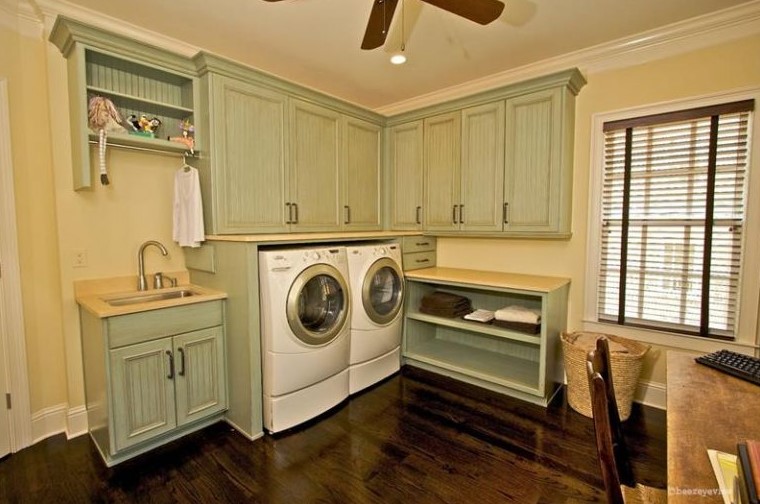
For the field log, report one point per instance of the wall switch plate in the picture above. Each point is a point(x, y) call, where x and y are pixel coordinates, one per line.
point(79, 258)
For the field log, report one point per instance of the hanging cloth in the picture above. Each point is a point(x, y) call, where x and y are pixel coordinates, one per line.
point(188, 208)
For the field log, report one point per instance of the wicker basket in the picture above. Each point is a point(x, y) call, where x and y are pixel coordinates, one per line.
point(626, 357)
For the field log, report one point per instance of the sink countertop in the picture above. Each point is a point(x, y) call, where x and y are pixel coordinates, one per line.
point(92, 294)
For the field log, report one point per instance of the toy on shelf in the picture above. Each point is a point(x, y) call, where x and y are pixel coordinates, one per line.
point(188, 135)
point(143, 125)
point(103, 117)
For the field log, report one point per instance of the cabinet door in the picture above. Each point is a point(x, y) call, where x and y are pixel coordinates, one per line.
point(315, 181)
point(482, 173)
point(405, 147)
point(442, 162)
point(201, 388)
point(142, 392)
point(249, 158)
point(361, 175)
point(533, 179)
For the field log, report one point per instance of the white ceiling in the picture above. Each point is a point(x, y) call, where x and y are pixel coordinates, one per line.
point(316, 42)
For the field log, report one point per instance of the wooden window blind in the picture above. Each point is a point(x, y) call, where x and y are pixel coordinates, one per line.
point(673, 208)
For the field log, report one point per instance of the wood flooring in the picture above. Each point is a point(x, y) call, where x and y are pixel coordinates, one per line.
point(415, 438)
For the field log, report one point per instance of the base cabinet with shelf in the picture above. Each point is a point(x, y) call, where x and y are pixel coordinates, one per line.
point(153, 376)
point(523, 365)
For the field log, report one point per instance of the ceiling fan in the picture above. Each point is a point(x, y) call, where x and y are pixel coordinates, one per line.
point(479, 11)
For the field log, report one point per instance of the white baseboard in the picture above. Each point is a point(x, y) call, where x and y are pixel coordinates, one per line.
point(652, 394)
point(241, 431)
point(59, 419)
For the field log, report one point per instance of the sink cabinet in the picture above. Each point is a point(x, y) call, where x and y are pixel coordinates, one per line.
point(153, 376)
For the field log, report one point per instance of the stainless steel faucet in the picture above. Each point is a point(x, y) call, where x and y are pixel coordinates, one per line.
point(142, 282)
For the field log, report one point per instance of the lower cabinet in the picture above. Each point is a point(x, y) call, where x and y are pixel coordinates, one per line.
point(526, 365)
point(152, 377)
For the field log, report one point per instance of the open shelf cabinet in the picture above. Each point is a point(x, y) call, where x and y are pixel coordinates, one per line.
point(138, 79)
point(527, 366)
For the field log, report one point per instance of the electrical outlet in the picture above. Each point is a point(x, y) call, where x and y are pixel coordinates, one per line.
point(79, 258)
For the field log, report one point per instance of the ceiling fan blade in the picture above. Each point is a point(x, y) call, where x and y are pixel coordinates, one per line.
point(379, 21)
point(480, 11)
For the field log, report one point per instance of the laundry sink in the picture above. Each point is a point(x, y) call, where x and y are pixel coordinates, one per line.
point(148, 297)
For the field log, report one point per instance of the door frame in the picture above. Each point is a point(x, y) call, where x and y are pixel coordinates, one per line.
point(12, 334)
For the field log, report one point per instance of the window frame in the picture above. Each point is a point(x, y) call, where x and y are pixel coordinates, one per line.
point(749, 292)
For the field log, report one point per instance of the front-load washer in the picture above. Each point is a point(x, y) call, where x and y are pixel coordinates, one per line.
point(377, 286)
point(305, 333)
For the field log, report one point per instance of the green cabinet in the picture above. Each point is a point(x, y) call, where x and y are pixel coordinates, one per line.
point(151, 377)
point(538, 171)
point(244, 179)
point(405, 156)
point(138, 79)
point(361, 175)
point(464, 169)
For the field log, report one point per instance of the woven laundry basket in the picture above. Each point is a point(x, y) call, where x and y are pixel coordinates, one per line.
point(626, 358)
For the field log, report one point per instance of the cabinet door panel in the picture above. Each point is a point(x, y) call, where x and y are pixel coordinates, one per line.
point(442, 162)
point(143, 392)
point(360, 167)
point(201, 380)
point(405, 156)
point(250, 158)
point(315, 182)
point(533, 165)
point(482, 180)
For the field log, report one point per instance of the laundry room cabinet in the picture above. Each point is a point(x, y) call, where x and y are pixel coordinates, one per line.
point(405, 156)
point(153, 376)
point(280, 160)
point(521, 364)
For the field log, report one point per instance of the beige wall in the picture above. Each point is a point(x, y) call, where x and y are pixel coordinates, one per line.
point(109, 223)
point(720, 68)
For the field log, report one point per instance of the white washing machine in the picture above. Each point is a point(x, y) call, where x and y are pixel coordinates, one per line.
point(377, 286)
point(305, 333)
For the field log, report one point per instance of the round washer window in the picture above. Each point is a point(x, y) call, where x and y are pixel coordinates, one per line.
point(317, 305)
point(382, 292)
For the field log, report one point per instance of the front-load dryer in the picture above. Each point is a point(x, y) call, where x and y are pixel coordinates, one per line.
point(305, 333)
point(377, 286)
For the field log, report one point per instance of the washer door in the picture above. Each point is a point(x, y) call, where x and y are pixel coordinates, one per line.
point(317, 306)
point(383, 291)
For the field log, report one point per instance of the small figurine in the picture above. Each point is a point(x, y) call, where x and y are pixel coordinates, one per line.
point(153, 125)
point(188, 130)
point(134, 122)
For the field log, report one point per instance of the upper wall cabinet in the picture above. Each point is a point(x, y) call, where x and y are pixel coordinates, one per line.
point(283, 158)
point(405, 155)
point(140, 80)
point(495, 164)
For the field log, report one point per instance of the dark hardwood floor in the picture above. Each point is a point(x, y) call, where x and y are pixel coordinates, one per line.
point(415, 438)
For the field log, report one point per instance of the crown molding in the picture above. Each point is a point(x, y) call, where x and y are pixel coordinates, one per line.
point(50, 9)
point(696, 33)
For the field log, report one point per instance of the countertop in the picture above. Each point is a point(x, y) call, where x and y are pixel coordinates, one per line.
point(306, 237)
point(91, 295)
point(489, 279)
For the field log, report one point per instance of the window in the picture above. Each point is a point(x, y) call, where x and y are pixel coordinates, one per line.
point(673, 213)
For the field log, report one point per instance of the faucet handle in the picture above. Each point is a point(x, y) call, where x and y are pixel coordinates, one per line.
point(158, 280)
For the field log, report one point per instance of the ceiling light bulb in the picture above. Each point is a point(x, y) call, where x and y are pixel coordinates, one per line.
point(398, 59)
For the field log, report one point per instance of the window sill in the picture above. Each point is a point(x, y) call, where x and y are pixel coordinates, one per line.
point(668, 339)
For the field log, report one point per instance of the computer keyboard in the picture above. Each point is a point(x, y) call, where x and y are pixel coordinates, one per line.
point(742, 366)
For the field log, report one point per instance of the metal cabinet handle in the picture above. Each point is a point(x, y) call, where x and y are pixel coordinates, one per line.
point(461, 214)
point(295, 208)
point(290, 214)
point(422, 244)
point(506, 212)
point(421, 260)
point(170, 376)
point(454, 214)
point(417, 215)
point(348, 214)
point(181, 371)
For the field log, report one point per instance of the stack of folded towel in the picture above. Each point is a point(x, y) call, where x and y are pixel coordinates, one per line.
point(519, 318)
point(445, 304)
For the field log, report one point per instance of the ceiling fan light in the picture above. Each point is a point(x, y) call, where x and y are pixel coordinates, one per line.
point(398, 58)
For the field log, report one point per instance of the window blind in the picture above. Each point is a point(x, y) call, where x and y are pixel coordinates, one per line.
point(672, 215)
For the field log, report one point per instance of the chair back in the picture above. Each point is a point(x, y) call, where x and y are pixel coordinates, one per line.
point(610, 443)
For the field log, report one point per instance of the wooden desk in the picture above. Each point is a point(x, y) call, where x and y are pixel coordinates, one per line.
point(706, 409)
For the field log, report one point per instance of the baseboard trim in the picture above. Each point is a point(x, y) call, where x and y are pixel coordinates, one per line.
point(241, 431)
point(59, 419)
point(651, 394)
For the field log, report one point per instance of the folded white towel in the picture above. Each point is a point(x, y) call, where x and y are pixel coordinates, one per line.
point(515, 313)
point(188, 208)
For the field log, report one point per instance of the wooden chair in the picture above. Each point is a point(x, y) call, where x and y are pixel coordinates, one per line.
point(619, 482)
